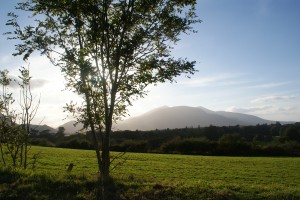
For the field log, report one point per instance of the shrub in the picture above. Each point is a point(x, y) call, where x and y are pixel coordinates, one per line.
point(201, 146)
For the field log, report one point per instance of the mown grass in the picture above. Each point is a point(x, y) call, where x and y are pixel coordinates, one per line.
point(154, 176)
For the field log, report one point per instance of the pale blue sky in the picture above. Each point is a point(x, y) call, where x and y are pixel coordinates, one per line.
point(248, 55)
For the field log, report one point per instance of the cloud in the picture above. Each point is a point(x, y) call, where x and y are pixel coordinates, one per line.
point(269, 85)
point(5, 59)
point(248, 110)
point(263, 110)
point(267, 99)
point(37, 83)
point(276, 113)
point(225, 78)
point(34, 82)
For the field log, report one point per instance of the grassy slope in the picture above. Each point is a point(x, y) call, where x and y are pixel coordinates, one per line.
point(153, 176)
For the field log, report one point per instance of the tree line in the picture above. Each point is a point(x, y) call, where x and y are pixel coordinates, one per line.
point(260, 140)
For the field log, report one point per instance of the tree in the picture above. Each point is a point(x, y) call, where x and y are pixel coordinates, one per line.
point(29, 109)
point(109, 52)
point(5, 101)
point(60, 134)
point(15, 125)
point(292, 133)
point(11, 135)
point(10, 132)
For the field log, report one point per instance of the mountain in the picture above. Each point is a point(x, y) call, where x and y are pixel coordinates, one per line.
point(184, 116)
point(38, 128)
point(244, 119)
point(70, 128)
point(43, 128)
point(178, 117)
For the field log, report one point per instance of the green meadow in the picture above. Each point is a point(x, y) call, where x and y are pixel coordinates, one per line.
point(153, 176)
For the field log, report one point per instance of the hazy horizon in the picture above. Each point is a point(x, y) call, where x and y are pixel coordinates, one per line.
point(159, 109)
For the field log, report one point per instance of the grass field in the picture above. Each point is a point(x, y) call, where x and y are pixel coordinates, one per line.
point(157, 176)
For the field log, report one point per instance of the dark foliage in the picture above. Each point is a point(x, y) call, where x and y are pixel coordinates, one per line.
point(259, 140)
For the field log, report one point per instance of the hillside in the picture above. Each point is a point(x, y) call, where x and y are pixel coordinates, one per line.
point(43, 128)
point(71, 128)
point(184, 116)
point(38, 128)
point(178, 117)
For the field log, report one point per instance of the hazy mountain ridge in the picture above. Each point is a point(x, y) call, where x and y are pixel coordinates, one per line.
point(43, 128)
point(178, 117)
point(184, 116)
point(38, 128)
point(170, 117)
point(71, 128)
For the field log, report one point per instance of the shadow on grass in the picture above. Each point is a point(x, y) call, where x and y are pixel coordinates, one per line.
point(158, 191)
point(20, 185)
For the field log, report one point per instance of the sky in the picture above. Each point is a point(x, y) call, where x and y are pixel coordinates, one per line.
point(248, 61)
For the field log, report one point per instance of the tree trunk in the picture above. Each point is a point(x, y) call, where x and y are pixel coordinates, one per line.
point(105, 156)
point(97, 150)
point(105, 173)
point(21, 155)
point(25, 154)
point(2, 154)
point(26, 139)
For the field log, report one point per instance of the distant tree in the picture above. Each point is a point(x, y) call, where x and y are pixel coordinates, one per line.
point(275, 129)
point(60, 132)
point(233, 144)
point(292, 133)
point(109, 52)
point(212, 132)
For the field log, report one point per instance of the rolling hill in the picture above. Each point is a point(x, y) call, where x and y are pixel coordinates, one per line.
point(179, 117)
point(43, 128)
point(70, 127)
point(37, 128)
point(184, 116)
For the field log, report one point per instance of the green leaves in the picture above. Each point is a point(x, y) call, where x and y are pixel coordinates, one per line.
point(4, 80)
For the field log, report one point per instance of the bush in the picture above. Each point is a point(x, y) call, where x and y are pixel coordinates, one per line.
point(42, 142)
point(233, 144)
point(131, 146)
point(75, 143)
point(201, 146)
point(292, 148)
